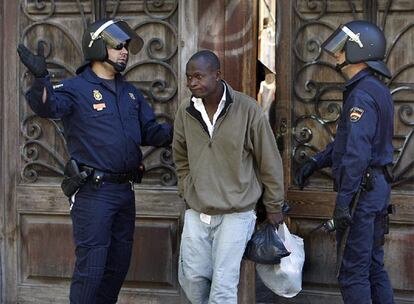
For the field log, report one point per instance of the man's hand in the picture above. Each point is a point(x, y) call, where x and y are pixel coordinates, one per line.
point(304, 172)
point(342, 218)
point(275, 218)
point(36, 64)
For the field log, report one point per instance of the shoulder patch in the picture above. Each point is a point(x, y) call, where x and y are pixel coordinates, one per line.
point(132, 96)
point(57, 86)
point(355, 114)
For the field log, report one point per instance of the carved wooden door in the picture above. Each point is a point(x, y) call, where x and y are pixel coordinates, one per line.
point(37, 250)
point(308, 106)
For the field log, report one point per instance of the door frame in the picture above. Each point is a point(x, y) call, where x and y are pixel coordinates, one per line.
point(10, 136)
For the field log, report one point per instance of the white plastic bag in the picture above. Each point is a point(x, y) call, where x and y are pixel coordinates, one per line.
point(285, 279)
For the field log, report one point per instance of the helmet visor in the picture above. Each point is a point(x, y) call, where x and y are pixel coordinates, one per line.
point(336, 42)
point(118, 33)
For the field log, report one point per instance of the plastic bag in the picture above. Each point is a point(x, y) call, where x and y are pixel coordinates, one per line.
point(285, 279)
point(265, 246)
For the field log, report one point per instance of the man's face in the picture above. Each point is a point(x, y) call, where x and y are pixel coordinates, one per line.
point(340, 57)
point(118, 56)
point(202, 78)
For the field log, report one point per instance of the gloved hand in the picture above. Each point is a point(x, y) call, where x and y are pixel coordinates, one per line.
point(275, 218)
point(35, 63)
point(342, 218)
point(304, 172)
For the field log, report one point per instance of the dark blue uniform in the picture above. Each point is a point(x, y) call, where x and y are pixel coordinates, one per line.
point(363, 139)
point(104, 129)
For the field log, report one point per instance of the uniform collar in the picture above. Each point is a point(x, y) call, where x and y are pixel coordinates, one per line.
point(358, 76)
point(90, 76)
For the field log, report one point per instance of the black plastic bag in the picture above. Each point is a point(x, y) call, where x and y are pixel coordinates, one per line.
point(265, 246)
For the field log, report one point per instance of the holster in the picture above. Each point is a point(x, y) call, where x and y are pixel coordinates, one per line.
point(390, 210)
point(367, 182)
point(73, 178)
point(138, 174)
point(385, 223)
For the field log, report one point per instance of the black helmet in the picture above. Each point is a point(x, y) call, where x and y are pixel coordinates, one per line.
point(362, 41)
point(108, 32)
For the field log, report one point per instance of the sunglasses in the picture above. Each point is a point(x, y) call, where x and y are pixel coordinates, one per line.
point(120, 46)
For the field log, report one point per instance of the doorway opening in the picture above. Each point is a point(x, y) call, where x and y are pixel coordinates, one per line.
point(266, 55)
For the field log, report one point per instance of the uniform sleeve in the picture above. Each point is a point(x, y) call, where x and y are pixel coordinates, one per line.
point(58, 103)
point(153, 133)
point(361, 124)
point(180, 155)
point(269, 164)
point(324, 158)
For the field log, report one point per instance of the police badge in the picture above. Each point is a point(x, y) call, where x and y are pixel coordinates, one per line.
point(97, 95)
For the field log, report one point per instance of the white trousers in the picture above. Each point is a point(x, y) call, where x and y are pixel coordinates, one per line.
point(210, 255)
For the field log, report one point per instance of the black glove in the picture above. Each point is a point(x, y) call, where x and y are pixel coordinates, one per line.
point(342, 218)
point(35, 63)
point(304, 172)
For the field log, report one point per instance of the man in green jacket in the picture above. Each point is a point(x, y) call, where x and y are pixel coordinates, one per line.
point(226, 157)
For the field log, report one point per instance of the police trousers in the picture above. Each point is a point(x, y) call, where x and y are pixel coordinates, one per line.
point(210, 256)
point(103, 225)
point(362, 277)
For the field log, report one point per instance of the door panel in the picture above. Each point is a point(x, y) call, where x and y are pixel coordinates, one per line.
point(309, 99)
point(231, 33)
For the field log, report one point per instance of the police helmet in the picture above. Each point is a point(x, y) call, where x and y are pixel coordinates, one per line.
point(362, 41)
point(108, 32)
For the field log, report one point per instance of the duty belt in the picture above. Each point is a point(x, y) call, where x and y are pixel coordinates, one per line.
point(98, 176)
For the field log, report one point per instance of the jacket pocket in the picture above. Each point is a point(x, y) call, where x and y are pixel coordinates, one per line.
point(99, 128)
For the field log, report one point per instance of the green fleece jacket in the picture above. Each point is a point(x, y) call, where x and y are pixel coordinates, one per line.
point(228, 172)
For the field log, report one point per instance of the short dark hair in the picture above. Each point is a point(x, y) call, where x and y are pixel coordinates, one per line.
point(208, 56)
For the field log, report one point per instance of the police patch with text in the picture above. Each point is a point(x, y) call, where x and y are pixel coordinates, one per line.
point(355, 114)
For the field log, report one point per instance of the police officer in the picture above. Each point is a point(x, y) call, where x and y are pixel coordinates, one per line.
point(106, 120)
point(363, 143)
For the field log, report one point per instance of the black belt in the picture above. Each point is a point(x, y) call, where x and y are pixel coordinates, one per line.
point(117, 178)
point(384, 170)
point(98, 176)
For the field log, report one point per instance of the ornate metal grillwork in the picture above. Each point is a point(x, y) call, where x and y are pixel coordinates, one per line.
point(318, 86)
point(59, 26)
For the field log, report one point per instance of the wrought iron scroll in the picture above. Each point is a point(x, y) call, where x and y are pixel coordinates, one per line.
point(317, 100)
point(31, 149)
point(40, 157)
point(158, 4)
point(43, 158)
point(160, 91)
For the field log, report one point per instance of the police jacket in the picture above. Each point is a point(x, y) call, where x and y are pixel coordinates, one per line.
point(364, 134)
point(103, 129)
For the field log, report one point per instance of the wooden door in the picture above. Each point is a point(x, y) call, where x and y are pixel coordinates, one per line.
point(228, 27)
point(37, 251)
point(308, 106)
